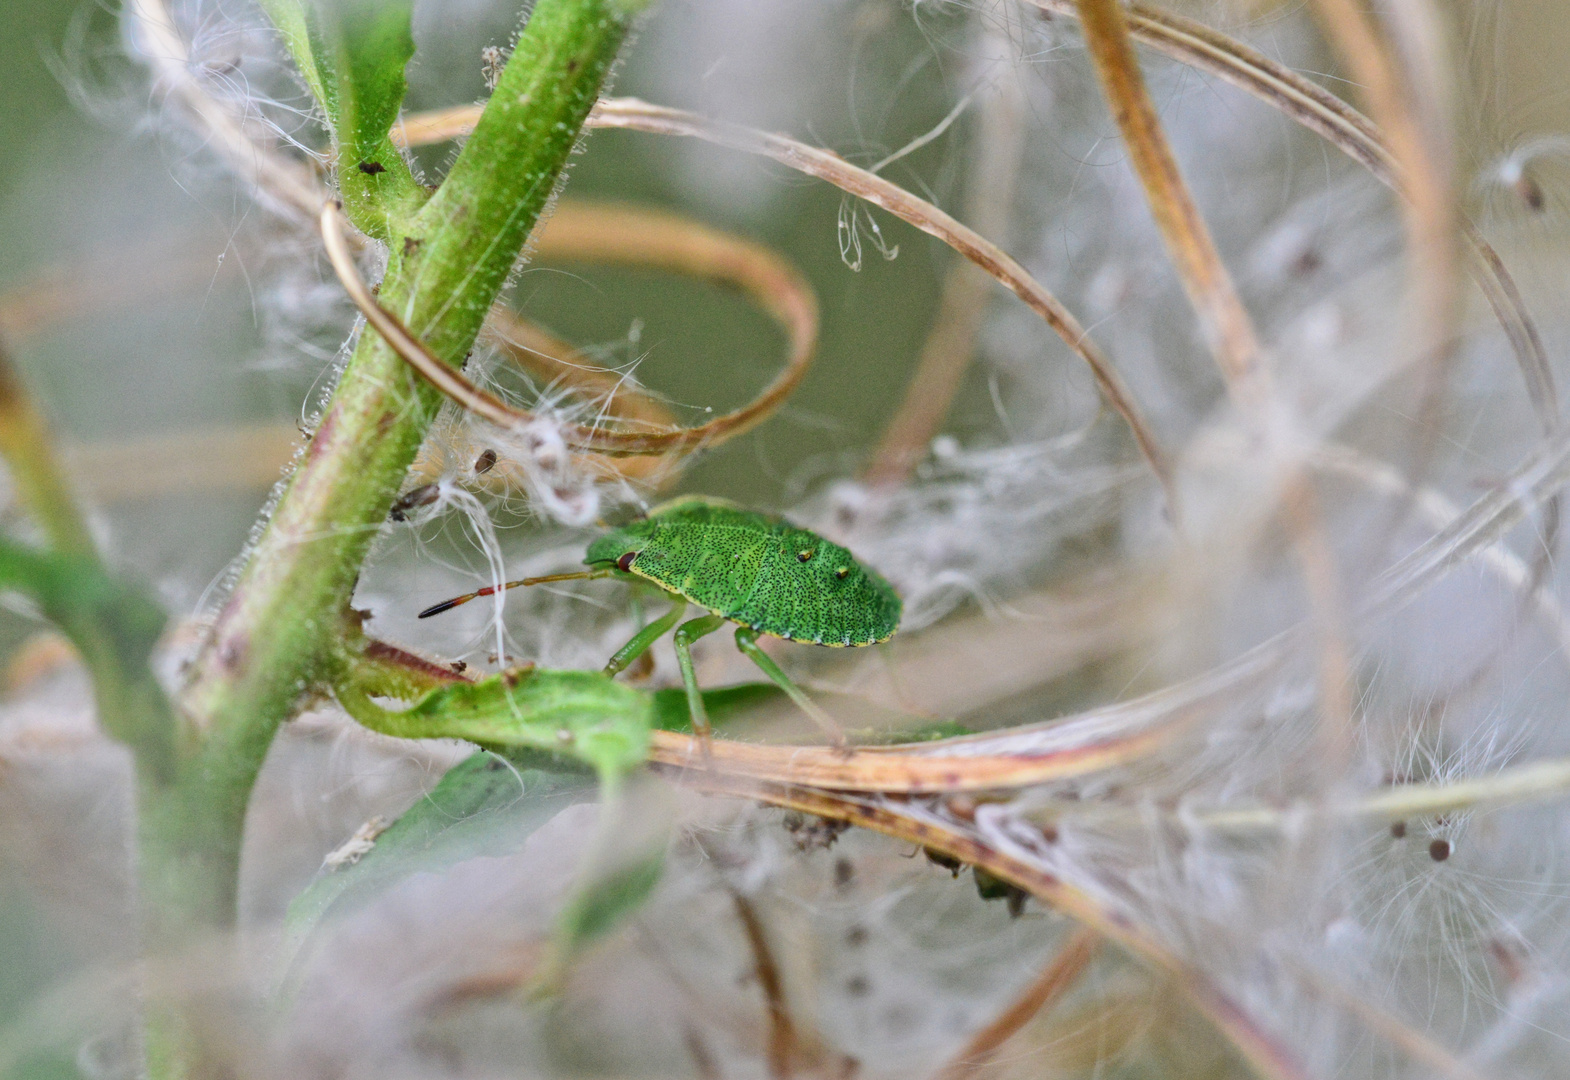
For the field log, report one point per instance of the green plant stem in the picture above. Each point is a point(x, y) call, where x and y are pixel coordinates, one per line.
point(114, 629)
point(113, 626)
point(274, 642)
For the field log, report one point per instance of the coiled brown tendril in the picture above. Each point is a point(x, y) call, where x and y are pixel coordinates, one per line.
point(634, 236)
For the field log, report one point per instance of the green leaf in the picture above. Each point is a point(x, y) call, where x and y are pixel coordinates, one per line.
point(368, 43)
point(623, 865)
point(937, 729)
point(727, 703)
point(352, 54)
point(293, 22)
point(482, 807)
point(582, 716)
point(598, 904)
point(115, 628)
point(364, 46)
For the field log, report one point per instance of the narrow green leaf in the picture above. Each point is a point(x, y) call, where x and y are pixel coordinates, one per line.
point(365, 44)
point(293, 22)
point(483, 807)
point(581, 716)
point(623, 865)
point(352, 54)
point(602, 901)
point(724, 704)
point(931, 732)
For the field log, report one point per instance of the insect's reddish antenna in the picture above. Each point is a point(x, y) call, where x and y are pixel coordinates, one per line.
point(448, 605)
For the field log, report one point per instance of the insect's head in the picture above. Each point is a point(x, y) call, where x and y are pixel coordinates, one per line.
point(617, 549)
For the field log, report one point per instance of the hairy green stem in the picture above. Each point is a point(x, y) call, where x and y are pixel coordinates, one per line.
point(275, 640)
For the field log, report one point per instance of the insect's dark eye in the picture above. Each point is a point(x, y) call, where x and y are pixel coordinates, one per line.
point(625, 562)
point(803, 555)
point(842, 573)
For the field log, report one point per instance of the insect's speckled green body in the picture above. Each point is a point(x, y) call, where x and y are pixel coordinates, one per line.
point(755, 570)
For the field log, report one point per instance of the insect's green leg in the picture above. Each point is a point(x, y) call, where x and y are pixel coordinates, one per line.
point(686, 634)
point(747, 642)
point(644, 638)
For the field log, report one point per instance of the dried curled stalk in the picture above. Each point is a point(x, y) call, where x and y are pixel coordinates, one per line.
point(1229, 330)
point(632, 114)
point(1348, 130)
point(293, 185)
point(1222, 317)
point(1067, 965)
point(702, 253)
point(1408, 91)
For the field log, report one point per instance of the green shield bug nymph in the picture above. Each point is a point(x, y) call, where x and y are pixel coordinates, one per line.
point(760, 572)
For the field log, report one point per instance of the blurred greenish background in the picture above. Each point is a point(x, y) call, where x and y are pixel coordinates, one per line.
point(95, 176)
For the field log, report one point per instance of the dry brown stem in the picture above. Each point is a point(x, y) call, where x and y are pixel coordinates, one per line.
point(635, 115)
point(1408, 92)
point(782, 1030)
point(1417, 1046)
point(702, 253)
point(1306, 523)
point(194, 462)
point(1053, 982)
point(287, 183)
point(1230, 333)
point(1317, 109)
point(946, 765)
point(1222, 317)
